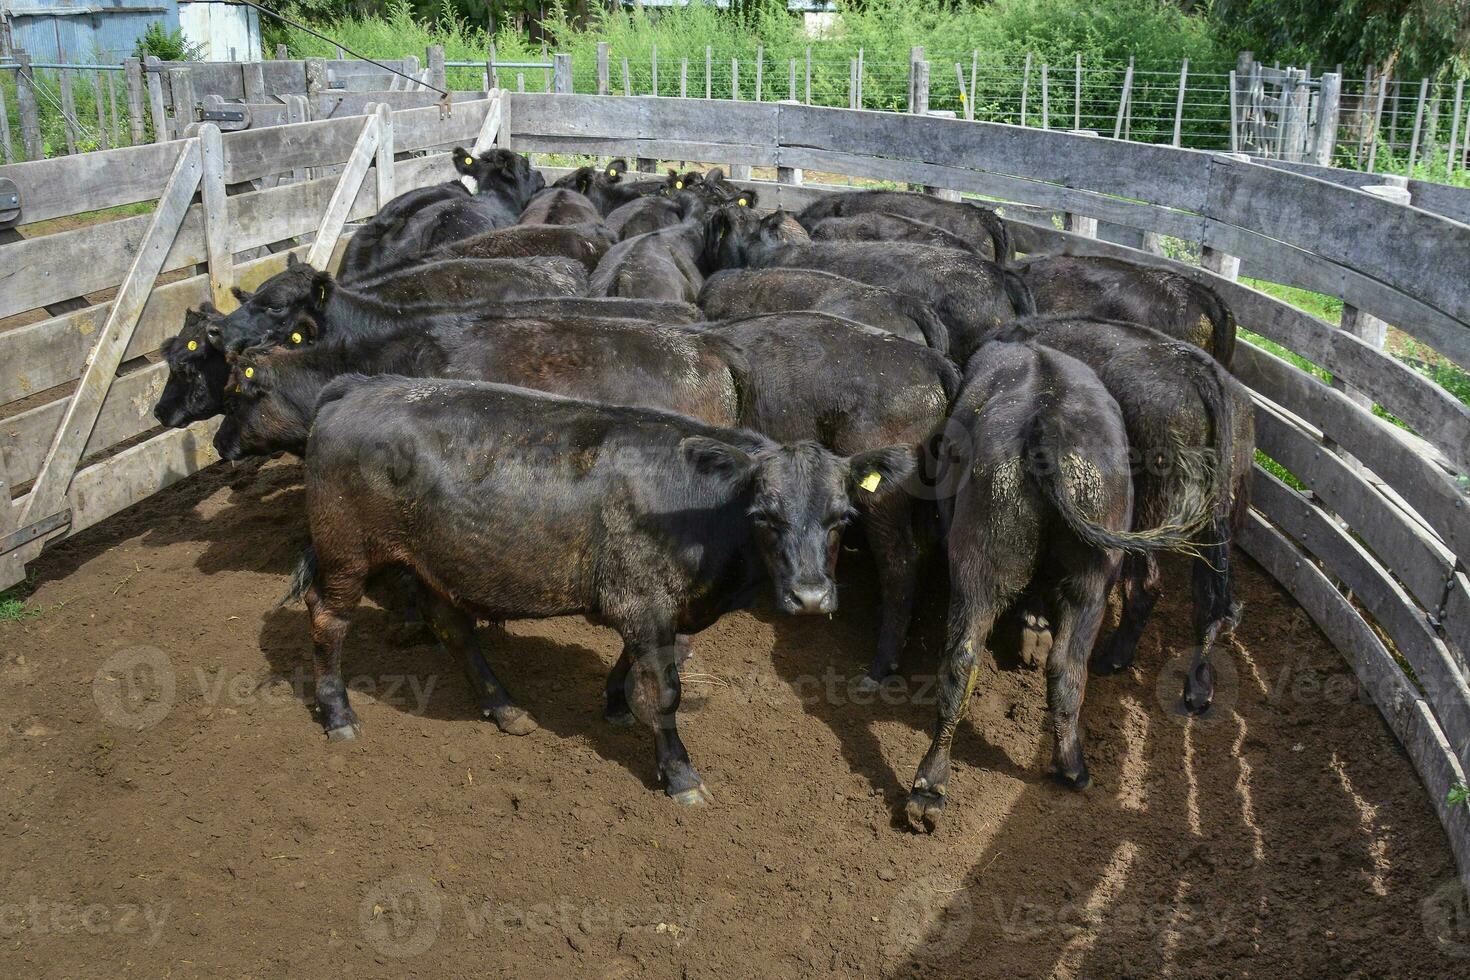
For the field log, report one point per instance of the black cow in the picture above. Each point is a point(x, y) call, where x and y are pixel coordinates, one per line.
point(682, 197)
point(526, 505)
point(585, 243)
point(271, 395)
point(1115, 289)
point(980, 226)
point(1192, 436)
point(850, 388)
point(665, 264)
point(606, 187)
point(973, 296)
point(876, 226)
point(736, 293)
point(301, 297)
point(1040, 496)
point(197, 371)
point(560, 206)
point(498, 184)
point(603, 307)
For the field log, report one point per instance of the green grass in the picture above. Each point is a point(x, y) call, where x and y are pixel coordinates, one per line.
point(1458, 795)
point(16, 610)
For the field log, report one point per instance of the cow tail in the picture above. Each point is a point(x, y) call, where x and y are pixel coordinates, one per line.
point(1223, 326)
point(302, 579)
point(1209, 381)
point(936, 334)
point(1018, 293)
point(1000, 238)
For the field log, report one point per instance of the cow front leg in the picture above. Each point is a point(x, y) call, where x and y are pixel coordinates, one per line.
point(958, 673)
point(456, 631)
point(653, 695)
point(890, 531)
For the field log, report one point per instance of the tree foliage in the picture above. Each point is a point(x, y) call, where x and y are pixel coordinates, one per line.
point(1412, 38)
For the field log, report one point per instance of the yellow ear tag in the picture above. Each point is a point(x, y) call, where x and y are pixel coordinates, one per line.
point(871, 481)
point(193, 345)
point(296, 338)
point(741, 202)
point(321, 294)
point(469, 161)
point(237, 389)
point(678, 185)
point(250, 373)
point(611, 172)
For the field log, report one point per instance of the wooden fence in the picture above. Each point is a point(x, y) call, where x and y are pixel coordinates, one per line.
point(1371, 550)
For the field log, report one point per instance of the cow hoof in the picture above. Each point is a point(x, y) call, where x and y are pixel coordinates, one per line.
point(1075, 781)
point(923, 810)
point(692, 797)
point(1036, 640)
point(876, 675)
point(622, 717)
point(1199, 689)
point(1110, 661)
point(345, 733)
point(513, 721)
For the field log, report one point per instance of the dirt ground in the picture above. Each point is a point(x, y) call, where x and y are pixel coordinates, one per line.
point(169, 808)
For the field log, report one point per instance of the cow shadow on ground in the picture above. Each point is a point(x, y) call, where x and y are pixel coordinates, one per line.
point(559, 684)
point(825, 662)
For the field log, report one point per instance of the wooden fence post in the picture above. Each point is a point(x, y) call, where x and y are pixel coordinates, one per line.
point(438, 74)
point(1234, 116)
point(104, 142)
point(1418, 122)
point(1360, 324)
point(316, 76)
point(1455, 126)
point(562, 74)
point(852, 102)
point(965, 105)
point(252, 81)
point(809, 74)
point(1377, 120)
point(683, 78)
point(735, 79)
point(1080, 224)
point(709, 72)
point(860, 72)
point(297, 111)
point(216, 217)
point(604, 80)
point(1045, 97)
point(791, 82)
point(1214, 260)
point(1328, 101)
point(1123, 99)
point(974, 69)
point(1025, 86)
point(653, 68)
point(916, 55)
point(5, 145)
point(384, 164)
point(1179, 102)
point(1077, 96)
point(48, 494)
point(627, 79)
point(348, 185)
point(133, 80)
point(68, 107)
point(760, 71)
point(181, 86)
point(492, 73)
point(156, 107)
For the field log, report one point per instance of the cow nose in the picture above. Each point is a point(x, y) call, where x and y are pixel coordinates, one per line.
point(813, 599)
point(214, 336)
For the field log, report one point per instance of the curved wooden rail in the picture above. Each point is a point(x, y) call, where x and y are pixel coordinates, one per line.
point(1371, 550)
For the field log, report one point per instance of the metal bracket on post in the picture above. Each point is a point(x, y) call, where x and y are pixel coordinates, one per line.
point(9, 203)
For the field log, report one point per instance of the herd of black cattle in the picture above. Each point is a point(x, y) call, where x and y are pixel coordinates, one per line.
point(637, 400)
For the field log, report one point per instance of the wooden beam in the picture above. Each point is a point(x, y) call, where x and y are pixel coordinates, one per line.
point(348, 186)
point(216, 218)
point(71, 437)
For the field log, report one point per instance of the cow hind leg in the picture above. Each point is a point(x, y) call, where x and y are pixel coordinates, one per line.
point(1215, 611)
point(1079, 611)
point(456, 631)
point(969, 627)
point(1141, 589)
point(330, 602)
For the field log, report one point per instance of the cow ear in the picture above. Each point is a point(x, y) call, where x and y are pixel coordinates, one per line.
point(241, 294)
point(716, 174)
point(303, 332)
point(880, 471)
point(207, 308)
point(714, 458)
point(251, 375)
point(464, 161)
point(616, 169)
point(584, 180)
point(292, 259)
point(321, 289)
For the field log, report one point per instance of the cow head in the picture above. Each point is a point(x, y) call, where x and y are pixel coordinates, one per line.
point(801, 497)
point(283, 312)
point(502, 173)
point(196, 372)
point(737, 237)
point(261, 416)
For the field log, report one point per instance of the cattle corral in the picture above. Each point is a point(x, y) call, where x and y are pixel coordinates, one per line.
point(1285, 831)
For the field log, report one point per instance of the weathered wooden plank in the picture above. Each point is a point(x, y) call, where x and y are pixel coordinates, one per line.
point(1402, 708)
point(1396, 542)
point(127, 411)
point(1418, 253)
point(216, 219)
point(76, 425)
point(349, 185)
point(1439, 417)
point(1429, 490)
point(68, 185)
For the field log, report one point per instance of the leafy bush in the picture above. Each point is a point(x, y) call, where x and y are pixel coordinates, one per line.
point(166, 45)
